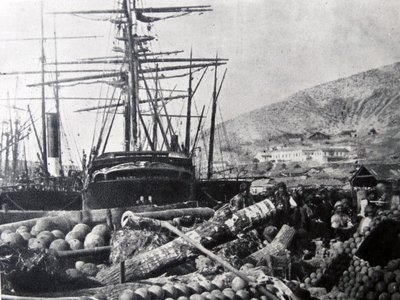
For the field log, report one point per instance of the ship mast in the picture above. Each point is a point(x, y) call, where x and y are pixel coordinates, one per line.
point(57, 100)
point(131, 105)
point(15, 149)
point(44, 137)
point(212, 129)
point(189, 107)
point(134, 70)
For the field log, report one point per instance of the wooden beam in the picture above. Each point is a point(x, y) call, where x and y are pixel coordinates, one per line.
point(53, 71)
point(173, 68)
point(105, 75)
point(52, 38)
point(142, 60)
point(121, 104)
point(197, 8)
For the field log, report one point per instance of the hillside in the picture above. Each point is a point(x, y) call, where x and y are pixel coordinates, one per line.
point(362, 101)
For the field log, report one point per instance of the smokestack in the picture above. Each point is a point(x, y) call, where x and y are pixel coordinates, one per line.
point(53, 130)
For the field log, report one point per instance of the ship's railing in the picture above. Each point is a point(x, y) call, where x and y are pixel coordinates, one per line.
point(60, 184)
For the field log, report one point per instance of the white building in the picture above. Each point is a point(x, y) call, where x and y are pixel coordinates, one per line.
point(317, 154)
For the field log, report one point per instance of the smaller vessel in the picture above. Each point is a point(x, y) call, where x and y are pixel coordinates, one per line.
point(42, 188)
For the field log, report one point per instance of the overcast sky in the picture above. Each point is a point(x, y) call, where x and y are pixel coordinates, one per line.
point(275, 48)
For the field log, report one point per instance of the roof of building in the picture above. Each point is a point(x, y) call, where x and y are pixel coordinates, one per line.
point(383, 171)
point(370, 173)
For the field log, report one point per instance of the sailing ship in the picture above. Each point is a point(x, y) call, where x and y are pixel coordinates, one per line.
point(46, 186)
point(159, 170)
point(153, 168)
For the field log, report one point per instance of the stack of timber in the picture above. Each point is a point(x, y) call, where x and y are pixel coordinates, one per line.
point(220, 229)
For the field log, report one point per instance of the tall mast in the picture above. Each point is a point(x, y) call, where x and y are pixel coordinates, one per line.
point(15, 149)
point(132, 49)
point(1, 147)
point(155, 128)
point(127, 112)
point(212, 129)
point(9, 137)
point(57, 99)
point(7, 159)
point(189, 107)
point(44, 138)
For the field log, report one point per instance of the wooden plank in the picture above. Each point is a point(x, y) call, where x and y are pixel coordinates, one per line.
point(222, 228)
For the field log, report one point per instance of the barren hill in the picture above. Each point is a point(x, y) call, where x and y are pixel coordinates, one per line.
point(362, 101)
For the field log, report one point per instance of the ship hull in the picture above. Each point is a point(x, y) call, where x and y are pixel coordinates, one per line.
point(132, 192)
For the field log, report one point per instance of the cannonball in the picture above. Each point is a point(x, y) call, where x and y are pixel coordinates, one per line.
point(243, 294)
point(44, 225)
point(59, 245)
point(169, 290)
point(127, 295)
point(229, 293)
point(58, 234)
point(75, 244)
point(218, 283)
point(155, 292)
point(182, 289)
point(238, 284)
point(21, 229)
point(79, 264)
point(34, 231)
point(46, 236)
point(206, 295)
point(102, 230)
point(218, 294)
point(81, 227)
point(5, 233)
point(206, 285)
point(36, 244)
point(75, 235)
point(93, 240)
point(194, 287)
point(14, 239)
point(141, 293)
